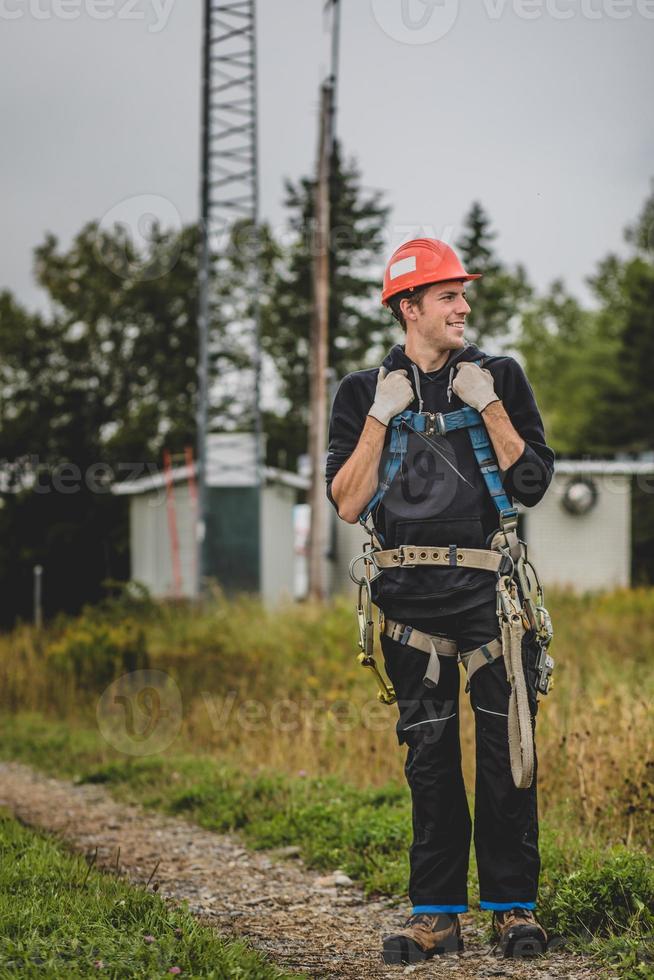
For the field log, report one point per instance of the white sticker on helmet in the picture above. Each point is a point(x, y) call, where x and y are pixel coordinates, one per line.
point(403, 266)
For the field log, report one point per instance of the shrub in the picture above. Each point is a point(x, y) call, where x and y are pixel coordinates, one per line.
point(607, 892)
point(94, 652)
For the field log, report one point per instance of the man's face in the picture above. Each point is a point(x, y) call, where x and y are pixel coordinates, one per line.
point(440, 318)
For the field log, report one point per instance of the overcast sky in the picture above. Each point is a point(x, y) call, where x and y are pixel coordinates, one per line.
point(538, 108)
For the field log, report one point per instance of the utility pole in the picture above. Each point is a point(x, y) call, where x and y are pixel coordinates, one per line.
point(319, 340)
point(318, 362)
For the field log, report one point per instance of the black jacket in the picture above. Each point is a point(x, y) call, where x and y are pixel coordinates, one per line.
point(440, 497)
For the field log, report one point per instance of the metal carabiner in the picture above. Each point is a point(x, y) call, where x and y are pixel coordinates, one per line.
point(366, 556)
point(386, 693)
point(364, 618)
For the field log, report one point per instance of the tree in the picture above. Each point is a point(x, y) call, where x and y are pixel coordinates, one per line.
point(593, 369)
point(498, 297)
point(359, 330)
point(105, 383)
point(570, 357)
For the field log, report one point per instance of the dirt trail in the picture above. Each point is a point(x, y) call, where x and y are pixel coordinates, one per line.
point(294, 915)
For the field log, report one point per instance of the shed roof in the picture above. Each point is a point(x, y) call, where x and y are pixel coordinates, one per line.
point(599, 467)
point(181, 474)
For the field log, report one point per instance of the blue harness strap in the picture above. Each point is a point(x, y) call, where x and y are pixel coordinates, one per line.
point(464, 418)
point(470, 419)
point(400, 426)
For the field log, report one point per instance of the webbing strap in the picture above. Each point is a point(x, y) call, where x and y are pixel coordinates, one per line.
point(470, 419)
point(441, 646)
point(397, 451)
point(450, 556)
point(433, 646)
point(464, 418)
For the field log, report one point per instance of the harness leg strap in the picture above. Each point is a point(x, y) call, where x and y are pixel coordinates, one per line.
point(433, 672)
point(521, 739)
point(472, 660)
point(433, 646)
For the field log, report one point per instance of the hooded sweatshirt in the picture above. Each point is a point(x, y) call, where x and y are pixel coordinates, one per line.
point(439, 496)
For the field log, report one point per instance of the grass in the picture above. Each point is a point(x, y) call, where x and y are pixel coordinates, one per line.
point(282, 691)
point(62, 918)
point(600, 898)
point(282, 739)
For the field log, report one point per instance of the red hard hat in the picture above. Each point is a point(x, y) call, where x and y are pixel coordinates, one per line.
point(419, 262)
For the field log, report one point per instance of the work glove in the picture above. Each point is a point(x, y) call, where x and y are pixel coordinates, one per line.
point(474, 386)
point(392, 395)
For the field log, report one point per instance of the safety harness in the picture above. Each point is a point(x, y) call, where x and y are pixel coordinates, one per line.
point(518, 610)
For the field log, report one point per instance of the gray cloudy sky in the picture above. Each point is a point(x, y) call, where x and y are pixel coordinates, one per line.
point(539, 108)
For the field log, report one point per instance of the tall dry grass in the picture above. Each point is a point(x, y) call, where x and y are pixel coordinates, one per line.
point(283, 691)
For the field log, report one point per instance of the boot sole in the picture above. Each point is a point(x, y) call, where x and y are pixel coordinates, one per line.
point(402, 950)
point(523, 948)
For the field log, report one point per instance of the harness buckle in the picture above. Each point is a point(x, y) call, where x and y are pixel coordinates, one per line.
point(509, 519)
point(544, 669)
point(404, 634)
point(507, 599)
point(431, 423)
point(403, 563)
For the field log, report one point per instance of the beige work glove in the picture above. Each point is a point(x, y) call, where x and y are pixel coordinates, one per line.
point(474, 386)
point(392, 395)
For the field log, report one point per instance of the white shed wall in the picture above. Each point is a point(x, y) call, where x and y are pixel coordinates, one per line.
point(150, 544)
point(349, 540)
point(277, 543)
point(588, 551)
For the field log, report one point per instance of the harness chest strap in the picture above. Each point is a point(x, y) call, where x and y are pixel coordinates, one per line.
point(435, 646)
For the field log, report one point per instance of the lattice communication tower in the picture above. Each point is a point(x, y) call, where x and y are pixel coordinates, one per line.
point(229, 196)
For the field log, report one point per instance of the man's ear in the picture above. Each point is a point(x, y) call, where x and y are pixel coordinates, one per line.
point(407, 308)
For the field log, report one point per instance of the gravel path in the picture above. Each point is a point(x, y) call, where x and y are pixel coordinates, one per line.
point(301, 919)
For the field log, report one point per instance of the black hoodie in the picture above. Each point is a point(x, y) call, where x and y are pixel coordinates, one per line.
point(440, 497)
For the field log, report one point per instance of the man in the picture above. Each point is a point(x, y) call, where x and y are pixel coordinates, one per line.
point(439, 497)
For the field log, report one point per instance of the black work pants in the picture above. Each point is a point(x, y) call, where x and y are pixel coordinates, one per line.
point(506, 819)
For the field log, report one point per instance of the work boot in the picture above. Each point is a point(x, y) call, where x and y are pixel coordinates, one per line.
point(518, 933)
point(424, 935)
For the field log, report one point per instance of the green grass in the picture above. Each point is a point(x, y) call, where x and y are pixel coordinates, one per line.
point(350, 806)
point(595, 731)
point(61, 918)
point(601, 899)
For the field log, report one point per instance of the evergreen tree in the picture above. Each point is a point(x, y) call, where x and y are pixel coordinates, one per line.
point(359, 330)
point(499, 296)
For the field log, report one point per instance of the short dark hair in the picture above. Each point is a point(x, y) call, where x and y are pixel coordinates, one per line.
point(414, 295)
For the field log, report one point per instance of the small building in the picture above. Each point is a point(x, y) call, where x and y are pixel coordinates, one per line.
point(250, 538)
point(579, 536)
